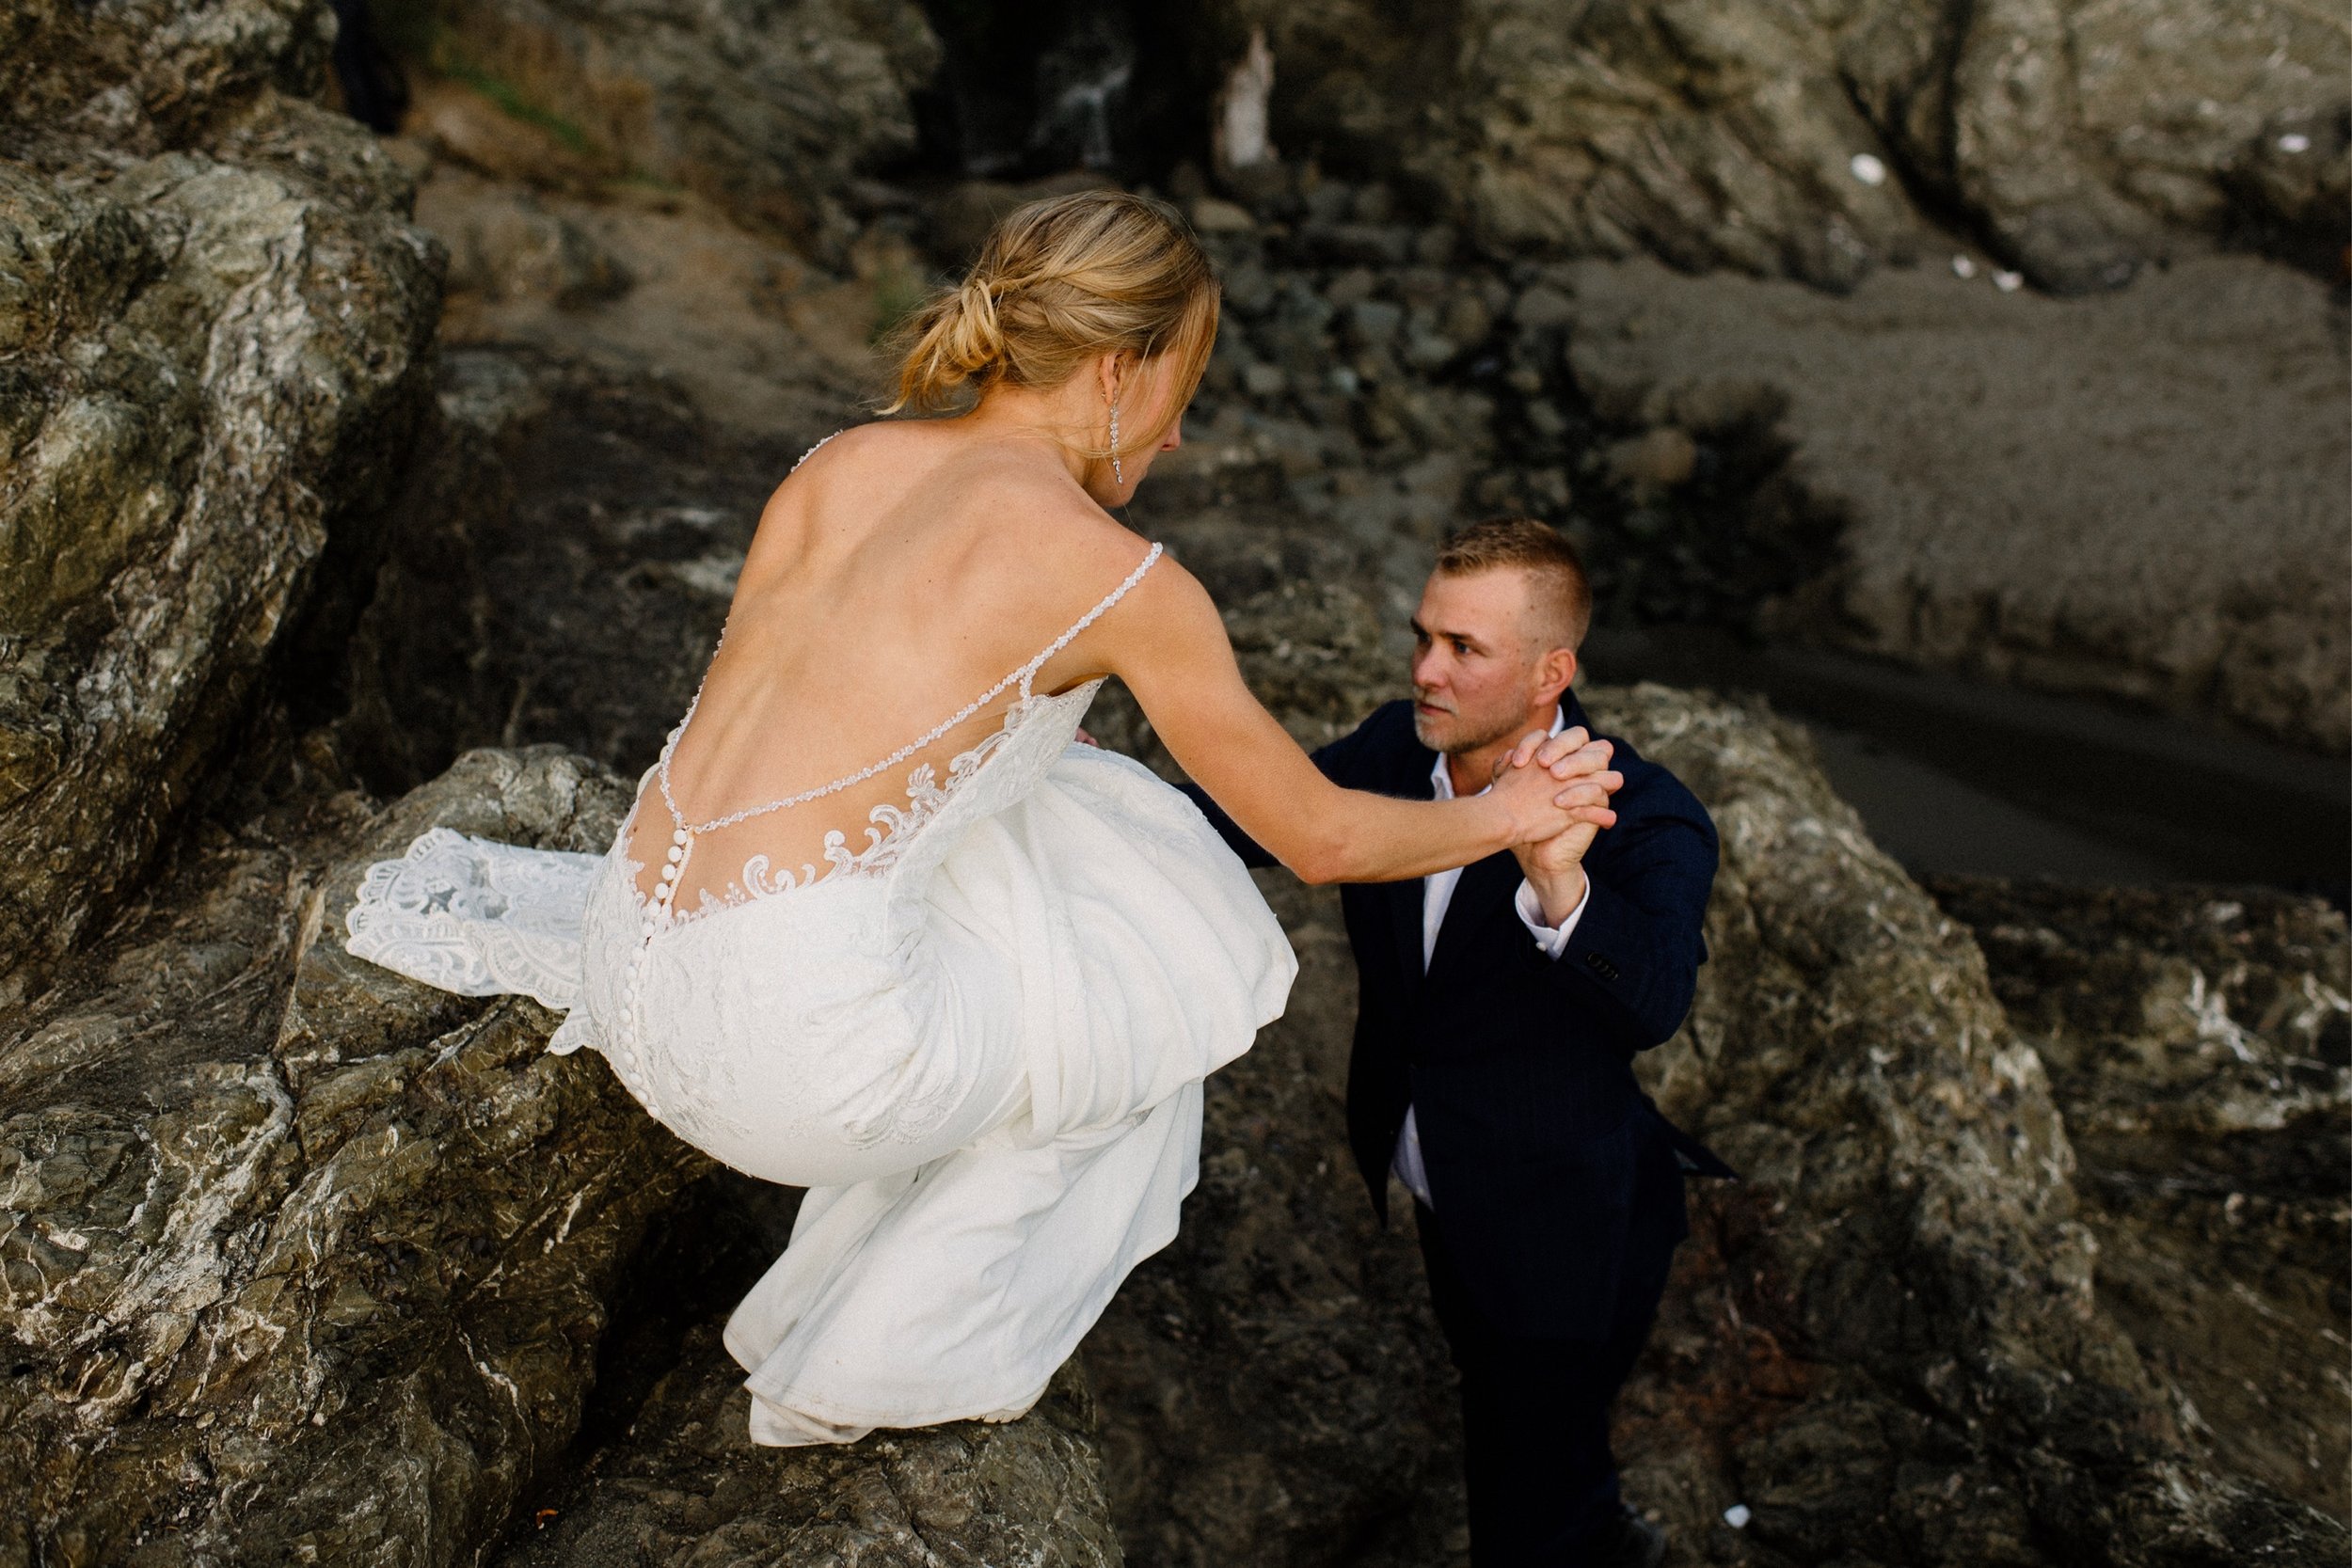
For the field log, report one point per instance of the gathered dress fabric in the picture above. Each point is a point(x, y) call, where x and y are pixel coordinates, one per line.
point(979, 1044)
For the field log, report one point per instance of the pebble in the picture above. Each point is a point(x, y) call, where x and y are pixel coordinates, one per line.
point(2009, 283)
point(1870, 170)
point(2295, 141)
point(1736, 1515)
point(1964, 267)
point(1210, 215)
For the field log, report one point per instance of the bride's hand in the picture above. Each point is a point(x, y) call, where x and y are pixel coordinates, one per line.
point(1556, 783)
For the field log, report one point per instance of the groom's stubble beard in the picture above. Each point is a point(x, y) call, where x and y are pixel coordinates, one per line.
point(1460, 735)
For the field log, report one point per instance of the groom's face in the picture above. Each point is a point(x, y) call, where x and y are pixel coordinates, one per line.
point(1473, 658)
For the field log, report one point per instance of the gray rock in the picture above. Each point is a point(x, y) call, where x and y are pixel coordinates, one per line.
point(1374, 324)
point(301, 1261)
point(215, 323)
point(1264, 381)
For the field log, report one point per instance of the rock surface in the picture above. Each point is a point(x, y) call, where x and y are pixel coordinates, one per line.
point(2199, 1042)
point(2076, 140)
point(214, 329)
point(2114, 496)
point(300, 1261)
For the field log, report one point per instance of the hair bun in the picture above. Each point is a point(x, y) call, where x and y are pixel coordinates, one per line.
point(1057, 281)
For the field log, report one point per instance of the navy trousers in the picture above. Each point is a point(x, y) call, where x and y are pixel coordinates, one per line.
point(1541, 1478)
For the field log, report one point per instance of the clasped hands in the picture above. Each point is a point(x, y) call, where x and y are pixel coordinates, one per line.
point(1552, 856)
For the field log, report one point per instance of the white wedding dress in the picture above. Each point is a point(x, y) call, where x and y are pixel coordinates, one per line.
point(980, 1043)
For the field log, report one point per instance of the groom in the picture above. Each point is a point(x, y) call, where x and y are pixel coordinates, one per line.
point(1500, 1010)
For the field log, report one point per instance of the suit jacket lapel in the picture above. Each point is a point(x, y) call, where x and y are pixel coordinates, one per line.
point(1483, 894)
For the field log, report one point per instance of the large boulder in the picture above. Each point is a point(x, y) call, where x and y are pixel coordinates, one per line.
point(215, 329)
point(2077, 139)
point(302, 1262)
point(2134, 495)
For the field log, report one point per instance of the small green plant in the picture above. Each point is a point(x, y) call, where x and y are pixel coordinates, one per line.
point(511, 101)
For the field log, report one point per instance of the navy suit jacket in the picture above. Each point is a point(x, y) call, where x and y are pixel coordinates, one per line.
point(1532, 1127)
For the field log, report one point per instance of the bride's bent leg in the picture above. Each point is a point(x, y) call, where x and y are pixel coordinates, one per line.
point(955, 1292)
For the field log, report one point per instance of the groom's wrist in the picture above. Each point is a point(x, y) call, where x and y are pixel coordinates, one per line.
point(1558, 892)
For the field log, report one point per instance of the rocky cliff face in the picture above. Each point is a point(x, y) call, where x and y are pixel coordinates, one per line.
point(2076, 140)
point(214, 326)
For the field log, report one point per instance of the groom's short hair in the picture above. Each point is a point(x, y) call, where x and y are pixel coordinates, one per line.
point(1563, 593)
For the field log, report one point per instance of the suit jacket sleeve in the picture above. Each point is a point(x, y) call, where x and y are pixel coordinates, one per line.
point(1345, 762)
point(1631, 965)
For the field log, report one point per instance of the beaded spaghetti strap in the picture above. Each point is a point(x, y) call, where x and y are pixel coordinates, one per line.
point(684, 832)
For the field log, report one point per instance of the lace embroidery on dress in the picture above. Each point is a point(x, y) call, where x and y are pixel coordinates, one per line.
point(475, 916)
point(892, 828)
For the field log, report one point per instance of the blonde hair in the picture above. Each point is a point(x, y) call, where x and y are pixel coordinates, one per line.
point(1058, 282)
point(1538, 550)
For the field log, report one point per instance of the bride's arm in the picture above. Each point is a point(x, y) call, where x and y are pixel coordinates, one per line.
point(1168, 644)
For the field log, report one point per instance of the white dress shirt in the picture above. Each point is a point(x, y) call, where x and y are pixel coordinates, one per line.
point(1436, 891)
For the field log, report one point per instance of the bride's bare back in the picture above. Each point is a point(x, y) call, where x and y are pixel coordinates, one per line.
point(896, 576)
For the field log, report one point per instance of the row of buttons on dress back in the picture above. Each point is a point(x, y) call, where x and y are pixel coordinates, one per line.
point(630, 1067)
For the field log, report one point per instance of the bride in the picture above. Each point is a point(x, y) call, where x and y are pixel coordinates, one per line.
point(875, 927)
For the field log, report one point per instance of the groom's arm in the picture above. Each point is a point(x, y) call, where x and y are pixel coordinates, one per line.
point(1630, 963)
point(1343, 762)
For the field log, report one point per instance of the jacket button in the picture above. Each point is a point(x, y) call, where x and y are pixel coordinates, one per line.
point(1601, 966)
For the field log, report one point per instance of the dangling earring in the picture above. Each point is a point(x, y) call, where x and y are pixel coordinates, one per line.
point(1118, 476)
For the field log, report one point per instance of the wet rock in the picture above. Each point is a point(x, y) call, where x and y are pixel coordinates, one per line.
point(772, 110)
point(2076, 494)
point(302, 1261)
point(2199, 1043)
point(215, 323)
